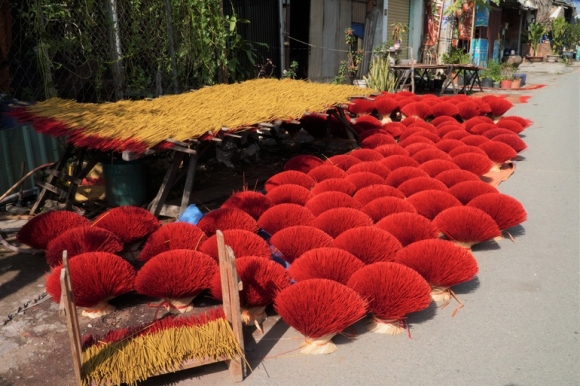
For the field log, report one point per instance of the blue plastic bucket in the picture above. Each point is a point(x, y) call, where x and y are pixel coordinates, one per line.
point(124, 183)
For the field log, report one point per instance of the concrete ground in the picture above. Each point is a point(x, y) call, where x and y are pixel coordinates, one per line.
point(519, 326)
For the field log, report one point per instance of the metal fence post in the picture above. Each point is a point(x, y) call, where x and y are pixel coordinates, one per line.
point(115, 47)
point(171, 46)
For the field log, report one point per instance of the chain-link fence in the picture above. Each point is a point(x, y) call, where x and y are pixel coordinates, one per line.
point(107, 50)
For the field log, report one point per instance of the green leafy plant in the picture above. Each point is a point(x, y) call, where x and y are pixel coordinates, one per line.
point(572, 36)
point(458, 4)
point(493, 71)
point(558, 32)
point(456, 56)
point(399, 30)
point(291, 72)
point(348, 69)
point(535, 33)
point(507, 71)
point(381, 77)
point(239, 49)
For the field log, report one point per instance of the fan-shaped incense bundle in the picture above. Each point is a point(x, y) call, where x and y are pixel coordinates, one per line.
point(228, 218)
point(326, 171)
point(176, 276)
point(253, 203)
point(389, 150)
point(468, 190)
point(369, 244)
point(408, 227)
point(129, 223)
point(289, 194)
point(262, 281)
point(338, 220)
point(429, 203)
point(283, 216)
point(303, 163)
point(177, 235)
point(375, 167)
point(243, 243)
point(437, 166)
point(393, 291)
point(325, 263)
point(505, 210)
point(441, 263)
point(474, 163)
point(330, 200)
point(334, 185)
point(452, 177)
point(43, 228)
point(418, 184)
point(430, 154)
point(447, 145)
point(319, 309)
point(96, 277)
point(79, 240)
point(370, 193)
point(292, 242)
point(397, 161)
point(289, 177)
point(466, 226)
point(402, 174)
point(376, 140)
point(343, 161)
point(366, 155)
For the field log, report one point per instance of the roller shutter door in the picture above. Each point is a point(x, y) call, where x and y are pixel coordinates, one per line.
point(399, 11)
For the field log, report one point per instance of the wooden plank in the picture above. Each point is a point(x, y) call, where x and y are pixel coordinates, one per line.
point(315, 37)
point(166, 185)
point(344, 22)
point(63, 176)
point(72, 188)
point(231, 301)
point(188, 187)
point(67, 305)
point(330, 40)
point(58, 166)
point(46, 186)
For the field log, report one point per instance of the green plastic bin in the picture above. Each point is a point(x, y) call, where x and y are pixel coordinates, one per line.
point(124, 183)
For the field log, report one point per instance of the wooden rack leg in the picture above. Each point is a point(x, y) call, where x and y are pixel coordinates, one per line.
point(167, 184)
point(188, 188)
point(231, 299)
point(58, 167)
point(67, 306)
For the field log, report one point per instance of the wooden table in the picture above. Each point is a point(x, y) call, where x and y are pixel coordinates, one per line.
point(426, 73)
point(470, 74)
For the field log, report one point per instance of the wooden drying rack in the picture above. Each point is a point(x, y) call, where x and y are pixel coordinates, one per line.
point(185, 156)
point(231, 304)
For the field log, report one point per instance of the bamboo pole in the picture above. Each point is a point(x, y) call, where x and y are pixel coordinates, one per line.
point(67, 307)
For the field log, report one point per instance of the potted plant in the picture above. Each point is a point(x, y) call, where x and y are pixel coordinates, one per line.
point(381, 77)
point(507, 75)
point(399, 29)
point(559, 27)
point(456, 56)
point(535, 33)
point(491, 73)
point(516, 81)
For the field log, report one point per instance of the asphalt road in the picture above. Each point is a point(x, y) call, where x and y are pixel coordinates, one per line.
point(521, 319)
